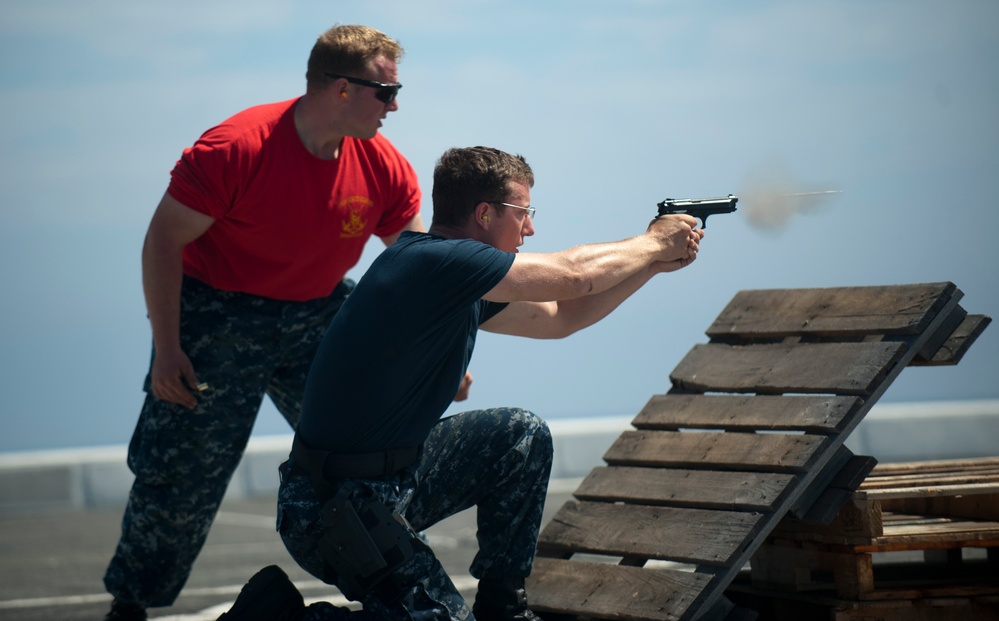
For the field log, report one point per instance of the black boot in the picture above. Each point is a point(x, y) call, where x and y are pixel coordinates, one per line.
point(502, 599)
point(123, 611)
point(268, 596)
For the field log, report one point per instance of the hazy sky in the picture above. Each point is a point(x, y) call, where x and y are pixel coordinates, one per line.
point(616, 105)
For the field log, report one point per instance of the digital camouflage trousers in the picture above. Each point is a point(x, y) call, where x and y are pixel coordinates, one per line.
point(497, 460)
point(243, 347)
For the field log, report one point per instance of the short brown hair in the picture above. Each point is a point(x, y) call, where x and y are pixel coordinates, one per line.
point(348, 50)
point(464, 177)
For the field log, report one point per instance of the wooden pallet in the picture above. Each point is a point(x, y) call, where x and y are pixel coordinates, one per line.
point(944, 511)
point(953, 489)
point(751, 430)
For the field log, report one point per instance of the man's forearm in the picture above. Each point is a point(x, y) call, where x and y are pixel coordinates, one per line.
point(604, 266)
point(576, 272)
point(173, 226)
point(579, 313)
point(162, 275)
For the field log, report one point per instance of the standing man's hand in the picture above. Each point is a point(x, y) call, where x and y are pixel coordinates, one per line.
point(174, 379)
point(466, 386)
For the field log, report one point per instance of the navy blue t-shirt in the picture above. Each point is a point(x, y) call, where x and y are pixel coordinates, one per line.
point(394, 356)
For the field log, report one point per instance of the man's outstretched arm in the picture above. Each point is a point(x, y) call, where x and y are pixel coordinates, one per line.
point(554, 295)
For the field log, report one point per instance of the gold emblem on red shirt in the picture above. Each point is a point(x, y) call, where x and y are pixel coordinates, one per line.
point(354, 208)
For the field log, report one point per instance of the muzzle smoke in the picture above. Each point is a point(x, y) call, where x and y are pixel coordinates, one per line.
point(772, 197)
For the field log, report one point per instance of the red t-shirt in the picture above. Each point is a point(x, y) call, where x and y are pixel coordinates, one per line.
point(288, 225)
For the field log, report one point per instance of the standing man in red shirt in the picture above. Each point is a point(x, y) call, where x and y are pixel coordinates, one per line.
point(243, 269)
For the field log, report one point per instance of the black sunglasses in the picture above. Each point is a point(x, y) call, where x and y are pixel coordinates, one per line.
point(386, 92)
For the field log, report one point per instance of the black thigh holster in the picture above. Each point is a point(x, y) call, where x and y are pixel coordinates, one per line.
point(364, 546)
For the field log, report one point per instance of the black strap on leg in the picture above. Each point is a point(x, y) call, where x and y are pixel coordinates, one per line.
point(364, 546)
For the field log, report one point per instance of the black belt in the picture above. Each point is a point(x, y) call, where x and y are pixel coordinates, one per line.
point(352, 465)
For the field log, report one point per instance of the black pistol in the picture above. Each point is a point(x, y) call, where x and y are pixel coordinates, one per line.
point(700, 208)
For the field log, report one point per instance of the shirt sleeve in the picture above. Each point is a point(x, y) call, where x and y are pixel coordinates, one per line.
point(203, 178)
point(490, 310)
point(403, 195)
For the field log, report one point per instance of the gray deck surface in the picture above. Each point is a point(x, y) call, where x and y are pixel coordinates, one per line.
point(51, 565)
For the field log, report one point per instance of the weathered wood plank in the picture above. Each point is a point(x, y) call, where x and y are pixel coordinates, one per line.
point(824, 414)
point(899, 309)
point(908, 527)
point(857, 522)
point(810, 368)
point(948, 325)
point(729, 451)
point(706, 489)
point(970, 484)
point(971, 506)
point(866, 528)
point(940, 478)
point(613, 591)
point(919, 532)
point(666, 533)
point(954, 348)
point(936, 465)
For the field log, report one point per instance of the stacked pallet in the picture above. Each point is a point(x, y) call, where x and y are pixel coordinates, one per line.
point(917, 541)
